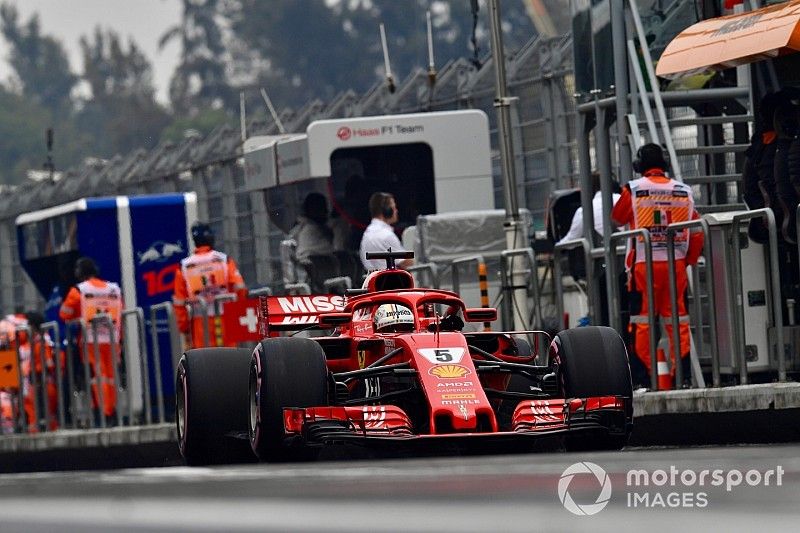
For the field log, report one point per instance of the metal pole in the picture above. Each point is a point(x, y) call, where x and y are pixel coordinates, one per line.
point(430, 268)
point(676, 98)
point(460, 261)
point(144, 368)
point(87, 373)
point(604, 166)
point(621, 87)
point(582, 136)
point(712, 301)
point(662, 114)
point(70, 369)
point(648, 112)
point(45, 426)
point(673, 301)
point(503, 104)
point(507, 257)
point(513, 226)
point(587, 254)
point(116, 359)
point(157, 358)
point(219, 304)
point(20, 418)
point(56, 337)
point(97, 367)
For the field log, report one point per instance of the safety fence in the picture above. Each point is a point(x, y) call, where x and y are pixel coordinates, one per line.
point(729, 338)
point(67, 385)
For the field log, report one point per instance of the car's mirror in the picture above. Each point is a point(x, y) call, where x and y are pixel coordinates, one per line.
point(480, 314)
point(331, 320)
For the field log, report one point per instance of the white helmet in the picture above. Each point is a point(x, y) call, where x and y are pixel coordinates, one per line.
point(392, 318)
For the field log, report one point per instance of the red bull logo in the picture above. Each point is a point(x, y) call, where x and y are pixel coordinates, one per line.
point(160, 251)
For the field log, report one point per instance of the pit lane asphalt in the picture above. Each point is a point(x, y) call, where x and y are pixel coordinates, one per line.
point(479, 493)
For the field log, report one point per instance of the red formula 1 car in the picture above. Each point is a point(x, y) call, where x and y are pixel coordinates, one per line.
point(398, 371)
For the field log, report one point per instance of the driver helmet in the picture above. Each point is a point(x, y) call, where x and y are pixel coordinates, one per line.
point(390, 318)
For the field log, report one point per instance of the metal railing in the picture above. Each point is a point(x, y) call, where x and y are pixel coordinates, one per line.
point(174, 346)
point(557, 276)
point(144, 367)
point(51, 330)
point(455, 263)
point(507, 276)
point(672, 229)
point(711, 255)
point(430, 268)
point(651, 313)
point(80, 400)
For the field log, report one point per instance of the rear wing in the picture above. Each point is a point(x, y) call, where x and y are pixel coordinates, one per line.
point(286, 313)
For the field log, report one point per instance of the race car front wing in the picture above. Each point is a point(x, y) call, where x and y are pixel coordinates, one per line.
point(379, 423)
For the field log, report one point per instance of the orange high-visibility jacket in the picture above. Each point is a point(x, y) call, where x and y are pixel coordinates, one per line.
point(623, 213)
point(204, 274)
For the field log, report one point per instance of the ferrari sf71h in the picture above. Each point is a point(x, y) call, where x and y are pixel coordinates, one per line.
point(398, 370)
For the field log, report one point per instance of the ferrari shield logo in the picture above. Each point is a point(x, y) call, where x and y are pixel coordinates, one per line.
point(362, 358)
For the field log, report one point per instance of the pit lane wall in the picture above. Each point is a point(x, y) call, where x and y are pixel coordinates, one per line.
point(742, 414)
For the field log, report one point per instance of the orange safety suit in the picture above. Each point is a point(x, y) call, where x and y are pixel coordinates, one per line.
point(653, 202)
point(39, 342)
point(8, 341)
point(202, 276)
point(85, 301)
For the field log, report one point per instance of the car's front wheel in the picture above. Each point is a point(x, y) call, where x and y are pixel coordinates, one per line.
point(593, 362)
point(211, 402)
point(284, 372)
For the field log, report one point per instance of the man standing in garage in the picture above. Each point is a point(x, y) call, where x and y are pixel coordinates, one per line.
point(379, 235)
point(653, 202)
point(202, 276)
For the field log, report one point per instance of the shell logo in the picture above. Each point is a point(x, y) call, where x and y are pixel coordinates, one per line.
point(344, 133)
point(449, 371)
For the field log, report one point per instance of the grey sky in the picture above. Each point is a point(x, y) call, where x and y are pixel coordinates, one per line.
point(143, 20)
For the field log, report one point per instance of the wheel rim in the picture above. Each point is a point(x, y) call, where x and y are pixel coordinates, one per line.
point(254, 403)
point(180, 408)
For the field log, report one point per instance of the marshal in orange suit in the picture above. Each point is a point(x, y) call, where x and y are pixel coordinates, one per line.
point(202, 276)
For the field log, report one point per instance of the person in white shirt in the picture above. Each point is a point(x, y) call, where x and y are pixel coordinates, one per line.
point(576, 261)
point(576, 228)
point(379, 235)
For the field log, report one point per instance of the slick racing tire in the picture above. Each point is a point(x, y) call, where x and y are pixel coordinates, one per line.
point(211, 403)
point(284, 372)
point(593, 361)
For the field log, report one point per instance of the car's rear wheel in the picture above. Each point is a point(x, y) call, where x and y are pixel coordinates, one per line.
point(284, 372)
point(592, 362)
point(211, 402)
